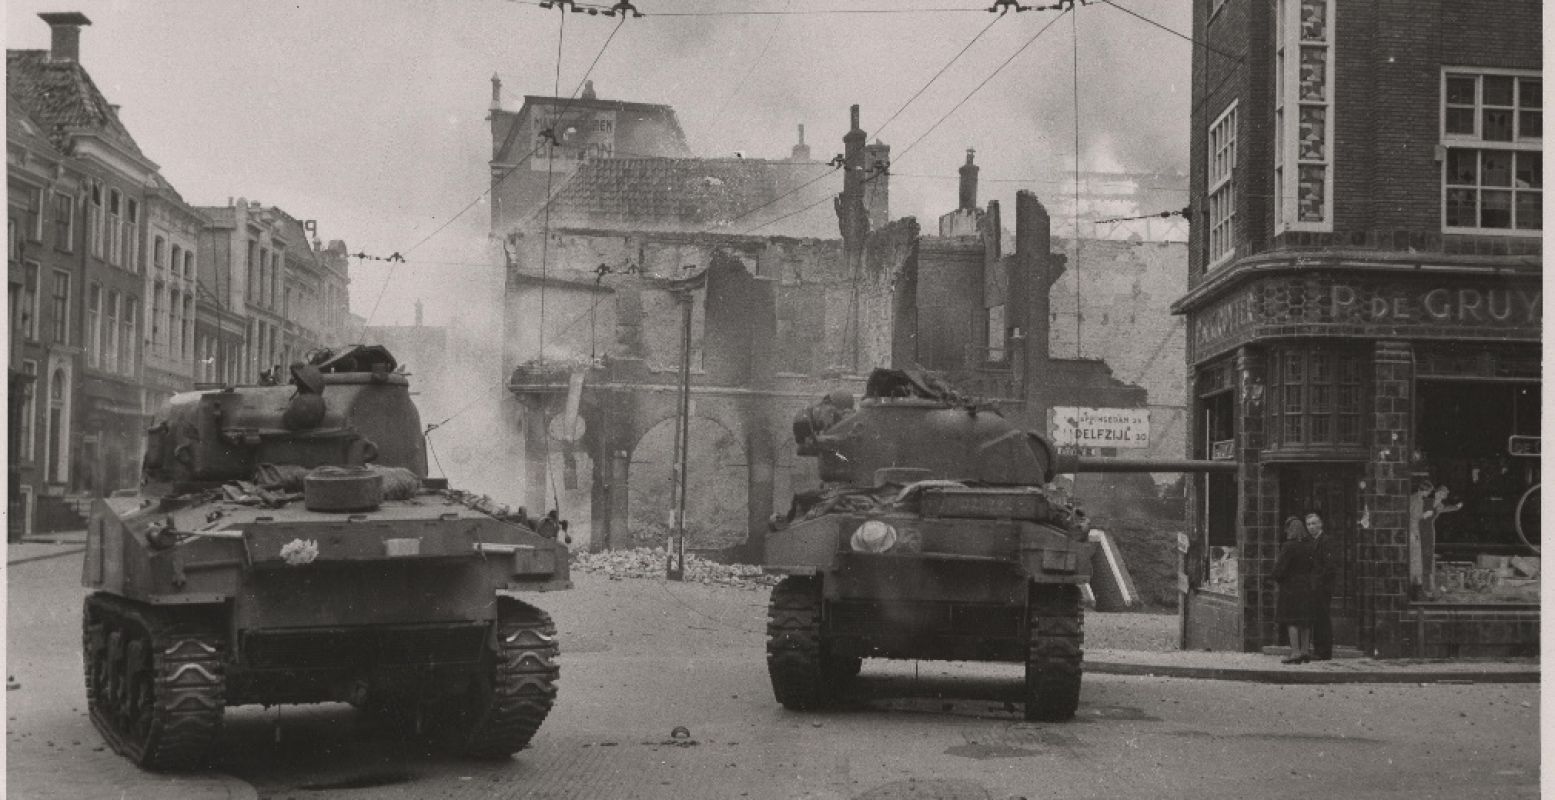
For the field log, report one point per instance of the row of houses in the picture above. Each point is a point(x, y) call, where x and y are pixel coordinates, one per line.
point(122, 292)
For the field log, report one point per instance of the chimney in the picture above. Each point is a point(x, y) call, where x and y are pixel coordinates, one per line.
point(851, 219)
point(877, 189)
point(801, 150)
point(969, 183)
point(66, 26)
point(588, 90)
point(496, 92)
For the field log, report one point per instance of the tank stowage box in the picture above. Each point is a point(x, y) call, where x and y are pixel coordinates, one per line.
point(931, 537)
point(287, 547)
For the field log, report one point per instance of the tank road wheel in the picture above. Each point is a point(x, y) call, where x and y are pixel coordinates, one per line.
point(515, 689)
point(1053, 652)
point(803, 676)
point(154, 683)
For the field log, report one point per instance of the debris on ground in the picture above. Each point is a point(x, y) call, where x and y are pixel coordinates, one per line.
point(650, 562)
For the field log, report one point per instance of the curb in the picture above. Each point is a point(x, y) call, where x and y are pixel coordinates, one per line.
point(1276, 676)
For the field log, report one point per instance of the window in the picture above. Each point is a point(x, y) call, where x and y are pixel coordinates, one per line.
point(95, 221)
point(27, 325)
point(158, 253)
point(61, 307)
point(253, 273)
point(27, 447)
point(110, 333)
point(1318, 399)
point(127, 339)
point(175, 324)
point(1222, 187)
point(188, 265)
point(995, 337)
point(1493, 175)
point(32, 214)
point(94, 326)
point(129, 233)
point(188, 333)
point(158, 320)
point(1303, 115)
point(64, 222)
point(13, 239)
point(115, 253)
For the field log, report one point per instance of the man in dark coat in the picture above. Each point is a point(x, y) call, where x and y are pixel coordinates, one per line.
point(1322, 621)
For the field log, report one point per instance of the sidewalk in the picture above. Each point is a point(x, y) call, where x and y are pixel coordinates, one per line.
point(1261, 668)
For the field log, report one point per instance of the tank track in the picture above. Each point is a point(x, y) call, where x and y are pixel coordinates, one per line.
point(155, 682)
point(515, 692)
point(804, 675)
point(1053, 656)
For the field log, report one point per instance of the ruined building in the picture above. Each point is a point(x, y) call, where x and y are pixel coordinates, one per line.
point(636, 263)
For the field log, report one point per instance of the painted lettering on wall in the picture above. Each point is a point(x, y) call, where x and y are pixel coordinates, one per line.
point(1127, 428)
point(1303, 301)
point(1441, 306)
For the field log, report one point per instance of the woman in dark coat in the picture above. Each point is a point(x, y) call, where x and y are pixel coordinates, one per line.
point(1296, 572)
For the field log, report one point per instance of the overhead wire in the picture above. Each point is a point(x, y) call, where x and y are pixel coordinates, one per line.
point(899, 156)
point(513, 132)
point(978, 87)
point(1172, 31)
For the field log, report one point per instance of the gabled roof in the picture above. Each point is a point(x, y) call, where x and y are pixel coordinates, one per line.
point(22, 129)
point(697, 194)
point(61, 96)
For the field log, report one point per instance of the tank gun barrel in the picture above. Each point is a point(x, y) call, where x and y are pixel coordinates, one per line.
point(1068, 463)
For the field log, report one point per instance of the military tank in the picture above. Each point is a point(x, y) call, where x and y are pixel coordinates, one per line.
point(932, 536)
point(287, 547)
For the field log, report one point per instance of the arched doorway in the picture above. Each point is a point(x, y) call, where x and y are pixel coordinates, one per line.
point(716, 486)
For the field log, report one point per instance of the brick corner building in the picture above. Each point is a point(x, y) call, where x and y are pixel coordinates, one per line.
point(1364, 316)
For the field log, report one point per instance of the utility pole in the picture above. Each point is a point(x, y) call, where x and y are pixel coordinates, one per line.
point(675, 568)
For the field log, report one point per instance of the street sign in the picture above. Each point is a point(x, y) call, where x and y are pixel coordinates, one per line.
point(1124, 428)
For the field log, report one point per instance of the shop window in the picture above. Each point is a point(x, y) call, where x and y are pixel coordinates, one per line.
point(1492, 129)
point(1318, 398)
point(1216, 554)
point(1471, 469)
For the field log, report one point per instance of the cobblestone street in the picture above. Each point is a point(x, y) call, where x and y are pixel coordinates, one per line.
point(641, 657)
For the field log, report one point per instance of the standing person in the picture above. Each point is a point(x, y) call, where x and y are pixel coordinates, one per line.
point(1295, 572)
point(1435, 506)
point(1322, 588)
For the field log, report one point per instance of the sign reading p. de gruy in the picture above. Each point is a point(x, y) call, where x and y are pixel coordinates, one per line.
point(1308, 304)
point(1127, 428)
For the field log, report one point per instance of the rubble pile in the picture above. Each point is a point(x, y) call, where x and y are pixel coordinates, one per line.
point(649, 562)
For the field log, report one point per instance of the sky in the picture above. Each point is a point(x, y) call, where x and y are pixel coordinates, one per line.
point(369, 116)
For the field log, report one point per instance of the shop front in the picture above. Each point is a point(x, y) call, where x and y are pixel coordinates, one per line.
point(1400, 402)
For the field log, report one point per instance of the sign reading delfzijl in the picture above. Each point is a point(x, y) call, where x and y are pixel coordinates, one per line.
point(1127, 428)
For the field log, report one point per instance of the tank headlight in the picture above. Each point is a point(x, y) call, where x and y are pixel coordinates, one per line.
point(873, 536)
